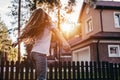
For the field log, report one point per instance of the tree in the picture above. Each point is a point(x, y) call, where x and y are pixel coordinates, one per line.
point(26, 7)
point(5, 43)
point(20, 12)
point(91, 2)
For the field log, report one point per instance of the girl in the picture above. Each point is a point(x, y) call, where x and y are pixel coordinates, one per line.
point(38, 31)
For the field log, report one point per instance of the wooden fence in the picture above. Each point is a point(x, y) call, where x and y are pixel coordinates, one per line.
point(62, 71)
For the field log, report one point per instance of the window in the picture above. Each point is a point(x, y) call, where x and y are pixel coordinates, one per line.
point(89, 25)
point(117, 19)
point(114, 50)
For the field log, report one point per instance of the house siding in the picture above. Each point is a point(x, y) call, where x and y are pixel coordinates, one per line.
point(103, 48)
point(108, 21)
point(103, 52)
point(93, 50)
point(95, 15)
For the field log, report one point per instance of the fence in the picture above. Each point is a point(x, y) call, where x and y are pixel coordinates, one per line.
point(62, 71)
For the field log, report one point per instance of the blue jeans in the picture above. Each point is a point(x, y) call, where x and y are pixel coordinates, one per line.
point(40, 62)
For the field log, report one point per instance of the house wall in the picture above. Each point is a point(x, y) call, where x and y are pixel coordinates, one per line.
point(108, 21)
point(103, 51)
point(93, 51)
point(108, 24)
point(87, 13)
point(104, 54)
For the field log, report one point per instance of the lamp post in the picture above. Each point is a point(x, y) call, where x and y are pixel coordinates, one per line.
point(19, 12)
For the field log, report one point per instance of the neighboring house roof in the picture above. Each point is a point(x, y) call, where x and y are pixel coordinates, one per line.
point(65, 53)
point(107, 5)
point(74, 40)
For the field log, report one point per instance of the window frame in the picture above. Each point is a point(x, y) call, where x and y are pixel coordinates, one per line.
point(117, 54)
point(117, 25)
point(88, 25)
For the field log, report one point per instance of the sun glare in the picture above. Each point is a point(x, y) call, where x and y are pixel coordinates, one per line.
point(66, 28)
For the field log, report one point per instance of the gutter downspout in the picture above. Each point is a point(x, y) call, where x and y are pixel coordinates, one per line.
point(98, 53)
point(101, 20)
point(98, 56)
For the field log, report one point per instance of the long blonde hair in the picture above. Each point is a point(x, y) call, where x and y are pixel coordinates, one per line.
point(35, 26)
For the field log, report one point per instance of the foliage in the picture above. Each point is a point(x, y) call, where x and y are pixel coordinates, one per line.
point(53, 4)
point(25, 12)
point(91, 2)
point(6, 50)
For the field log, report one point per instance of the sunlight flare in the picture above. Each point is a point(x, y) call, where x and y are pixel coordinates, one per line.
point(66, 28)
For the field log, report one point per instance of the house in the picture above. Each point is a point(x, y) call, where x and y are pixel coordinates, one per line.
point(100, 32)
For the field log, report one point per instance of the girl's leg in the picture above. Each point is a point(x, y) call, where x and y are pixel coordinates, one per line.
point(40, 61)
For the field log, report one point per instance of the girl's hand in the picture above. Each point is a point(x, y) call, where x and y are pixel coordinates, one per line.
point(14, 44)
point(66, 46)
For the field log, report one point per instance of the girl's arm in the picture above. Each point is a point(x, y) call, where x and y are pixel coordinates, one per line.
point(16, 43)
point(65, 44)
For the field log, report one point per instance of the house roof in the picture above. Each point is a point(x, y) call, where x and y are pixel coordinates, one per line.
point(98, 36)
point(107, 5)
point(113, 5)
point(107, 35)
